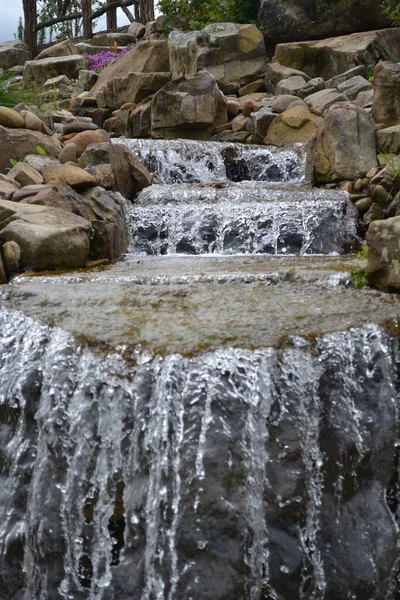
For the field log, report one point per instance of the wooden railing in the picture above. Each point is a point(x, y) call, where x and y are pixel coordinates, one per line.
point(87, 15)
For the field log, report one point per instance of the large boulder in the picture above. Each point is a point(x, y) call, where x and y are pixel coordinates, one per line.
point(330, 57)
point(64, 48)
point(386, 103)
point(289, 20)
point(383, 241)
point(189, 107)
point(109, 238)
point(47, 238)
point(18, 143)
point(345, 146)
point(36, 72)
point(233, 54)
point(13, 53)
point(296, 124)
point(134, 76)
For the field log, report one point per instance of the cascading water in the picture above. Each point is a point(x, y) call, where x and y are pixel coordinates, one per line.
point(230, 199)
point(208, 428)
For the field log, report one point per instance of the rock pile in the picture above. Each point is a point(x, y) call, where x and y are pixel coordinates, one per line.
point(55, 211)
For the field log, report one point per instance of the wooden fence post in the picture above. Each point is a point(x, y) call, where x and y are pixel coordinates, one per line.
point(111, 17)
point(30, 22)
point(87, 19)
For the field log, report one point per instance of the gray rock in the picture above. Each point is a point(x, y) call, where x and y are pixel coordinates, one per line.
point(18, 143)
point(55, 82)
point(312, 86)
point(262, 119)
point(322, 100)
point(386, 106)
point(290, 85)
point(326, 58)
point(87, 78)
point(137, 30)
point(64, 48)
point(282, 103)
point(96, 154)
point(353, 86)
point(335, 81)
point(388, 140)
point(365, 99)
point(187, 107)
point(384, 253)
point(345, 144)
point(233, 54)
point(38, 71)
point(275, 72)
point(12, 54)
point(29, 190)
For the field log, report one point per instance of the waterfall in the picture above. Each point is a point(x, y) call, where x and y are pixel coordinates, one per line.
point(232, 474)
point(222, 426)
point(234, 199)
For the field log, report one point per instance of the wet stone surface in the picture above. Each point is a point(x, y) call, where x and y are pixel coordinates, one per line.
point(190, 305)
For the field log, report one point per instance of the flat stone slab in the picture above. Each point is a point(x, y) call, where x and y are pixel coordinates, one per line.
point(191, 305)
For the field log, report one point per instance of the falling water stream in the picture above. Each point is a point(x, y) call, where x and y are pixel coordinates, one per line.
point(220, 426)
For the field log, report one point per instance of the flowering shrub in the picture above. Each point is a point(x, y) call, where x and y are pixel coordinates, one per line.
point(98, 61)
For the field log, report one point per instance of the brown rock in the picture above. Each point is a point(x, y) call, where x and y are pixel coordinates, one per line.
point(103, 176)
point(189, 107)
point(48, 238)
point(31, 121)
point(296, 124)
point(249, 107)
point(85, 138)
point(25, 174)
point(251, 88)
point(29, 190)
point(10, 118)
point(233, 107)
point(11, 256)
point(130, 175)
point(7, 187)
point(76, 177)
point(18, 143)
point(68, 153)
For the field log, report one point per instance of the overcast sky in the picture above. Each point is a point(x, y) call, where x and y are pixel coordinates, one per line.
point(11, 10)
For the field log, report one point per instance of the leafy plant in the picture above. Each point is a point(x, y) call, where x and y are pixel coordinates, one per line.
point(40, 150)
point(358, 275)
point(391, 9)
point(189, 15)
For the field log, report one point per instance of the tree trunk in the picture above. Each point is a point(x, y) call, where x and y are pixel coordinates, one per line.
point(111, 18)
point(30, 22)
point(87, 18)
point(147, 10)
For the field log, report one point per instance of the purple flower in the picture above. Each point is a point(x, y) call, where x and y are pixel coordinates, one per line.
point(98, 61)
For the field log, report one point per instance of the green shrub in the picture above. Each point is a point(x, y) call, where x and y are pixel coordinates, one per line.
point(189, 15)
point(358, 275)
point(391, 9)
